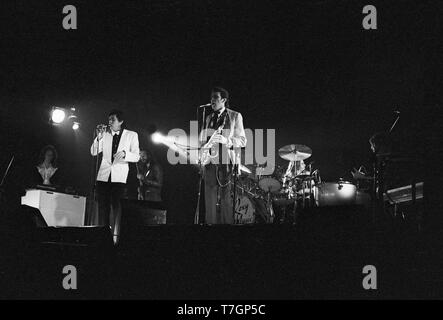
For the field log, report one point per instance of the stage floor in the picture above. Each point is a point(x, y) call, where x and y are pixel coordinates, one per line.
point(322, 258)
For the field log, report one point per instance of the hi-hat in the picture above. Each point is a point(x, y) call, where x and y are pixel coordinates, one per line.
point(294, 152)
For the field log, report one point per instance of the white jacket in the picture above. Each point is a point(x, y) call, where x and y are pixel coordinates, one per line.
point(118, 170)
point(235, 133)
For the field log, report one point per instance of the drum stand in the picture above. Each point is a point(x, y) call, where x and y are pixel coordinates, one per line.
point(269, 207)
point(306, 201)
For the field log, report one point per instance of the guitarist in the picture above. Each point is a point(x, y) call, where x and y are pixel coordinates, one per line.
point(218, 173)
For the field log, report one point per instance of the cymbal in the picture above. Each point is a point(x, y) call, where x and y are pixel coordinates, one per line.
point(294, 152)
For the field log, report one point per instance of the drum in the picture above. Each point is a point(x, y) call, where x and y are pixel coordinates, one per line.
point(305, 186)
point(264, 213)
point(248, 184)
point(284, 197)
point(334, 193)
point(244, 211)
point(269, 184)
point(269, 180)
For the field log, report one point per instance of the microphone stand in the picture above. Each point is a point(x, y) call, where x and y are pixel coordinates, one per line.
point(234, 198)
point(395, 121)
point(7, 171)
point(96, 167)
point(4, 179)
point(93, 183)
point(197, 209)
point(378, 179)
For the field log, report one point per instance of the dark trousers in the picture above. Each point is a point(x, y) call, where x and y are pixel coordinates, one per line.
point(109, 195)
point(218, 199)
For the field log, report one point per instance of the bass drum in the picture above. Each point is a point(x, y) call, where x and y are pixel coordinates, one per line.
point(251, 210)
point(334, 193)
point(244, 211)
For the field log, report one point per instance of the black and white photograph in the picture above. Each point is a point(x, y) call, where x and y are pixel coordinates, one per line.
point(223, 155)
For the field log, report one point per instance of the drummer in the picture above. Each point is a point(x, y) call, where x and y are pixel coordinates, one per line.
point(295, 168)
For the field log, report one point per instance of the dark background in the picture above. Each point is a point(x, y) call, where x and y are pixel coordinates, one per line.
point(304, 68)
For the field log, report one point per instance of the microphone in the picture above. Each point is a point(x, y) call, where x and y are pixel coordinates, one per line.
point(397, 112)
point(205, 105)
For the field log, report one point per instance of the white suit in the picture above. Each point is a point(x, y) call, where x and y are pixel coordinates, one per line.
point(118, 170)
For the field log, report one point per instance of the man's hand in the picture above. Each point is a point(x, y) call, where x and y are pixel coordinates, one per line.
point(139, 176)
point(218, 138)
point(119, 156)
point(99, 132)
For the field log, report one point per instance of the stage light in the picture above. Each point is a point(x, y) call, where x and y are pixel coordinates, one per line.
point(72, 113)
point(157, 137)
point(171, 143)
point(58, 115)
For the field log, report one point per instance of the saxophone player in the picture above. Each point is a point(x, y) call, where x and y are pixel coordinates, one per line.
point(217, 174)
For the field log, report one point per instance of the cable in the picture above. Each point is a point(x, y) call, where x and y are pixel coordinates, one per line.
point(218, 179)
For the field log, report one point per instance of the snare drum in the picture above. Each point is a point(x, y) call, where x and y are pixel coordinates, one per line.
point(335, 193)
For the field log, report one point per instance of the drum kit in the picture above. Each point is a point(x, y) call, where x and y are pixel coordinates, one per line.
point(292, 189)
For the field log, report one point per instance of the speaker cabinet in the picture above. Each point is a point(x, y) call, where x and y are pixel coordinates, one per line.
point(143, 213)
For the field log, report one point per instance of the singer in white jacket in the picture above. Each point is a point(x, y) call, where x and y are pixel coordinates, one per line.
point(118, 146)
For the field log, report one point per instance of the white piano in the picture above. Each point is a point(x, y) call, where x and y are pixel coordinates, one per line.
point(58, 209)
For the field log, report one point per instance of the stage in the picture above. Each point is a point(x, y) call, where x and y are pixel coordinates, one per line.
point(323, 257)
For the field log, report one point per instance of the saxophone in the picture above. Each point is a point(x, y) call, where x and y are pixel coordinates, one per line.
point(210, 149)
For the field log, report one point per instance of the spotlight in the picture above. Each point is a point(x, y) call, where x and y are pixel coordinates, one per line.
point(75, 126)
point(58, 115)
point(72, 113)
point(157, 137)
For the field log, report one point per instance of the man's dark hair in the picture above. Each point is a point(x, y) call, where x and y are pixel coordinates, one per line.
point(117, 113)
point(43, 151)
point(223, 93)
